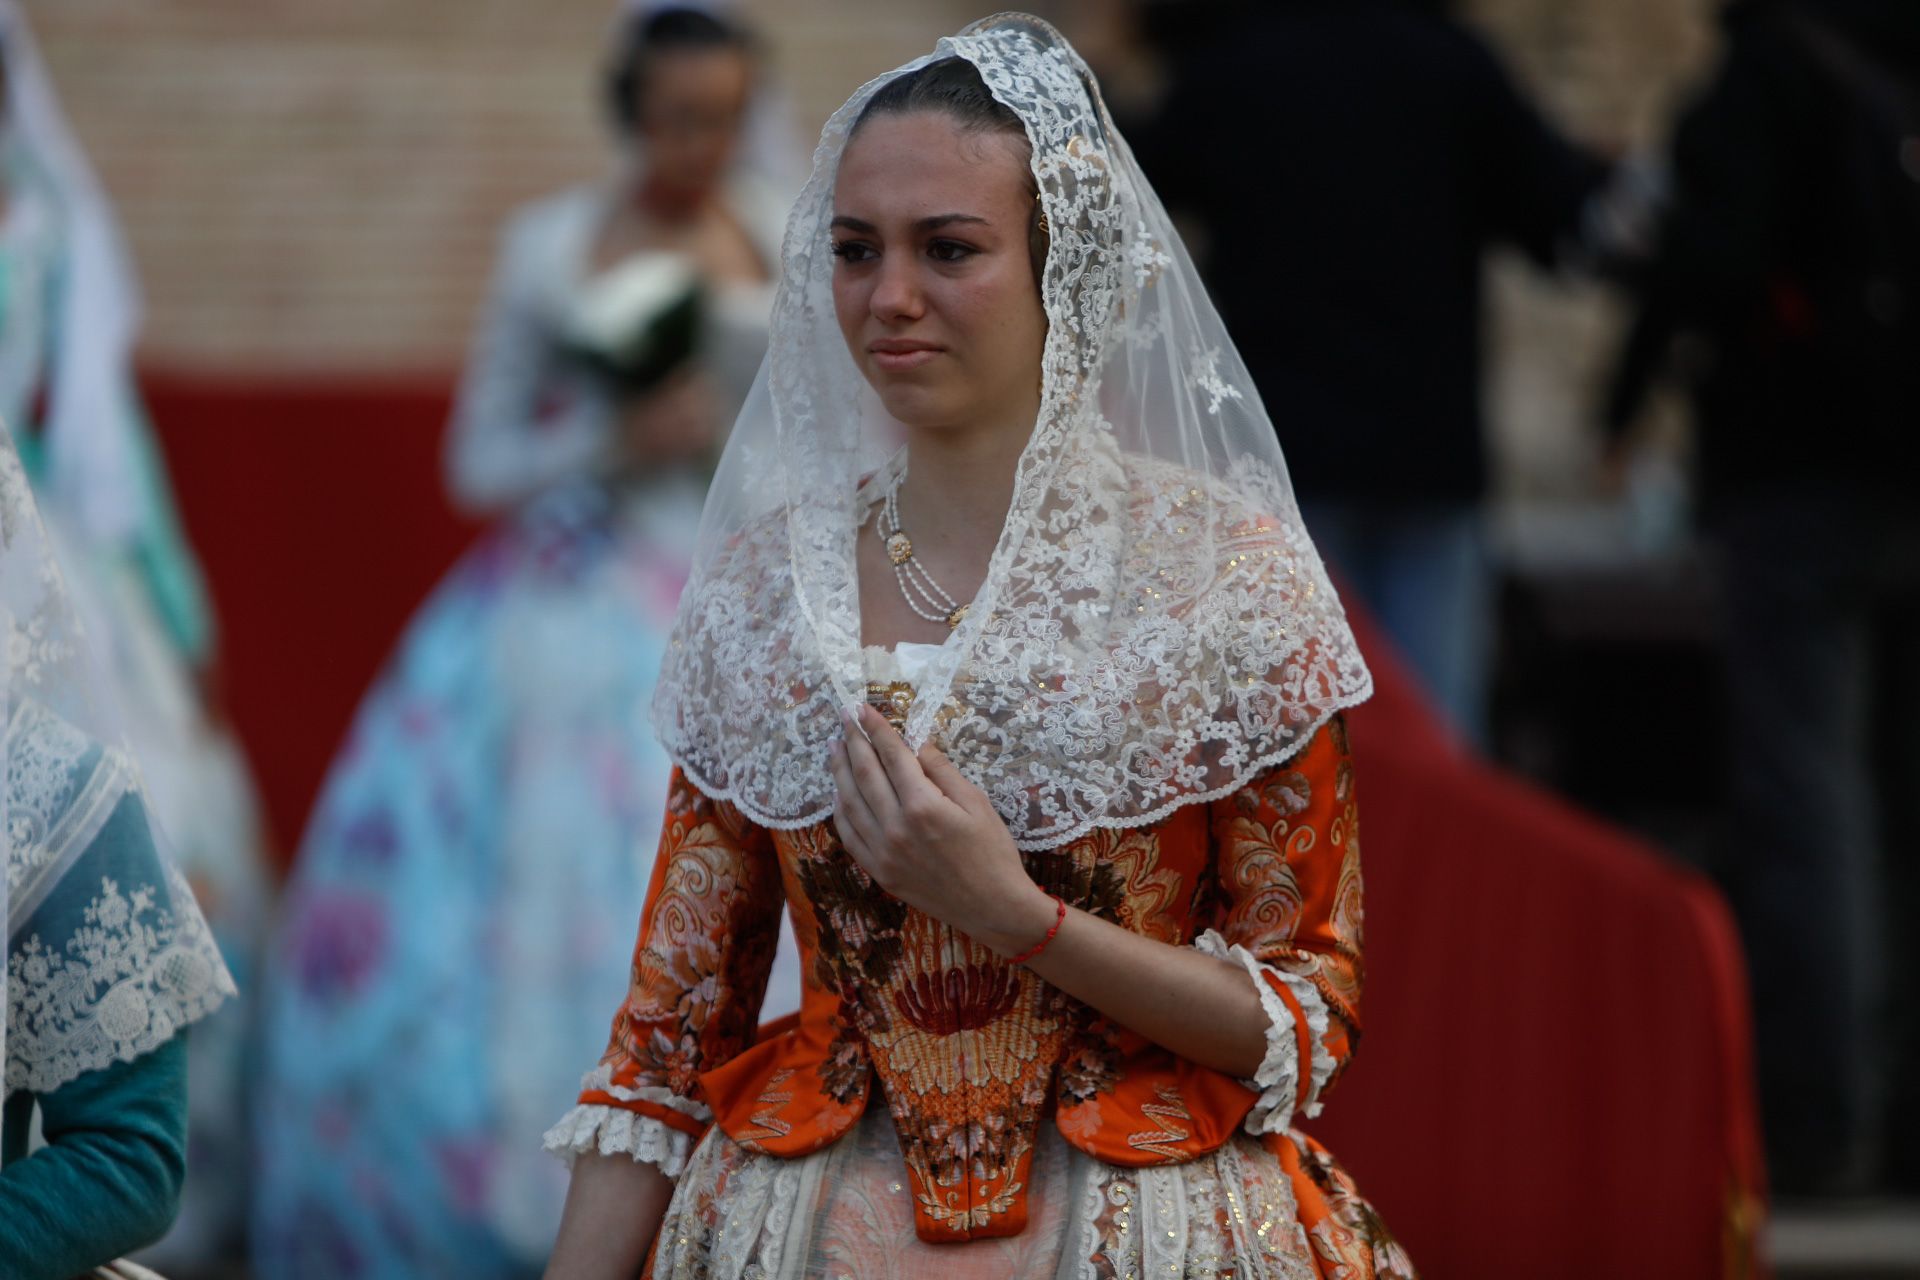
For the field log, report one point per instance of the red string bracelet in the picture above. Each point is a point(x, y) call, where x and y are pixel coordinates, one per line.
point(1058, 920)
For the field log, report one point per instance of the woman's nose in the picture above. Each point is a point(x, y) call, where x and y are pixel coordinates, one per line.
point(896, 294)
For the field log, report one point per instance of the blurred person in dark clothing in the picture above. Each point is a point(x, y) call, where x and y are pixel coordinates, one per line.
point(1394, 152)
point(1784, 290)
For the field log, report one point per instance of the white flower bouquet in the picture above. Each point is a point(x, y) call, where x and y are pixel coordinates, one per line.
point(637, 322)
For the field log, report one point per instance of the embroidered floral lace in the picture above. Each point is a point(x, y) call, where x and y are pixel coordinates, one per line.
point(107, 953)
point(1155, 626)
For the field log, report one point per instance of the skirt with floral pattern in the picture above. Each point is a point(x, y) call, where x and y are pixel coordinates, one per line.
point(845, 1212)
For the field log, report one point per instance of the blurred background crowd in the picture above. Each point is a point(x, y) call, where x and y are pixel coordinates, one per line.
point(406, 335)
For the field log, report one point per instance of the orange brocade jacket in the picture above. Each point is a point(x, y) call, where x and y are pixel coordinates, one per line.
point(971, 1053)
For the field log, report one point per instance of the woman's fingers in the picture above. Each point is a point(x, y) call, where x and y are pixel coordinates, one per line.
point(945, 775)
point(868, 774)
point(896, 757)
point(852, 819)
point(890, 815)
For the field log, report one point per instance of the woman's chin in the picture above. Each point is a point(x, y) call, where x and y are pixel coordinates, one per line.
point(915, 408)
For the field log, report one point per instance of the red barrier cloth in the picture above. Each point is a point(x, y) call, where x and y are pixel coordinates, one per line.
point(1555, 1078)
point(318, 514)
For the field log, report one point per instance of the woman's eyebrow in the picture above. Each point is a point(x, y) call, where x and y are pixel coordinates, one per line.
point(939, 220)
point(934, 223)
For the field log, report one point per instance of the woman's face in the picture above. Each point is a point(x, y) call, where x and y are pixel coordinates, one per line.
point(688, 117)
point(933, 286)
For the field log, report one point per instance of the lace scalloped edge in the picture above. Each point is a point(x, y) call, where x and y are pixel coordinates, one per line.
point(1320, 1069)
point(43, 1077)
point(1039, 844)
point(1278, 1076)
point(610, 1131)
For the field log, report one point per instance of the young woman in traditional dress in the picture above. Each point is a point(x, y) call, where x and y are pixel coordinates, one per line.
point(1008, 669)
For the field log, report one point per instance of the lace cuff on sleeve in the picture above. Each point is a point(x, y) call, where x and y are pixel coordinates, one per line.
point(1278, 1079)
point(612, 1129)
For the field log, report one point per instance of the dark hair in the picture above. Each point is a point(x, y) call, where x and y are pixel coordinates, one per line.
point(661, 33)
point(953, 87)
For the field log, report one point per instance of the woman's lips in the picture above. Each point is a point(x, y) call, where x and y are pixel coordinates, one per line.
point(898, 357)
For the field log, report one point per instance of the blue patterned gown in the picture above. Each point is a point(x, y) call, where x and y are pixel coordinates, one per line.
point(461, 915)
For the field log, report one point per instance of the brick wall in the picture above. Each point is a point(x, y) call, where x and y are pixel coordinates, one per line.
point(315, 185)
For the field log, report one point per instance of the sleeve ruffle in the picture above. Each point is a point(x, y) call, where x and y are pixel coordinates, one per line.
point(610, 1129)
point(1278, 1078)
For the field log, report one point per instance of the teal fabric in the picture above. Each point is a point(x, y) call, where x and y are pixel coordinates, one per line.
point(108, 1180)
point(158, 550)
point(166, 562)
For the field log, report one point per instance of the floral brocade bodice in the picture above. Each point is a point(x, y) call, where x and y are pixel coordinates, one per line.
point(969, 1053)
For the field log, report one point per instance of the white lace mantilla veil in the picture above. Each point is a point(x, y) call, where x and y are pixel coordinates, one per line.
point(1155, 626)
point(134, 961)
point(90, 454)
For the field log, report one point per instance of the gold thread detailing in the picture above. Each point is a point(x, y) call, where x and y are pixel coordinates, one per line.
point(1158, 1140)
point(772, 1100)
point(964, 1213)
point(892, 699)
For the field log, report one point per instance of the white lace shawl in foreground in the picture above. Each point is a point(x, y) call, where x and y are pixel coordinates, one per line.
point(107, 955)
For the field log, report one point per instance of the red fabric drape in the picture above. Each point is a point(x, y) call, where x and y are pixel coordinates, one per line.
point(1555, 1076)
point(318, 514)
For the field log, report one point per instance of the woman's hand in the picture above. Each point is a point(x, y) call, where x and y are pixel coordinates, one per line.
point(931, 838)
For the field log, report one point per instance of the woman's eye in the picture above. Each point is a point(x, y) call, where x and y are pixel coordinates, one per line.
point(852, 251)
point(949, 250)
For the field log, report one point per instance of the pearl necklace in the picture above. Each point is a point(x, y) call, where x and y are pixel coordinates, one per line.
point(927, 598)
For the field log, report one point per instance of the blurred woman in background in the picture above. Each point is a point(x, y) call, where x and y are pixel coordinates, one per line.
point(69, 314)
point(458, 919)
